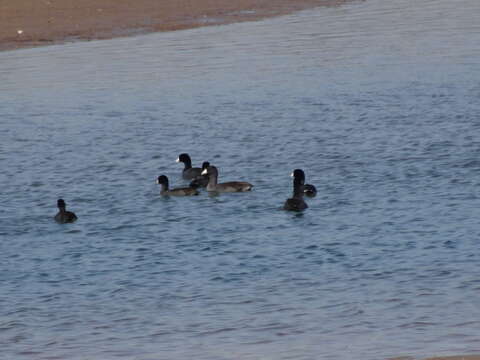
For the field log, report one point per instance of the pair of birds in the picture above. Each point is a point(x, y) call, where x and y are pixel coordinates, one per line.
point(206, 176)
point(296, 202)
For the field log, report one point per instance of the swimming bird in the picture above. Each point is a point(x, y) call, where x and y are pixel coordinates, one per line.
point(189, 172)
point(308, 189)
point(163, 182)
point(63, 216)
point(201, 180)
point(231, 186)
point(296, 203)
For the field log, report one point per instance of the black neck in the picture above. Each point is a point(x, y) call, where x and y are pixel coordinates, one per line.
point(164, 185)
point(298, 188)
point(212, 179)
point(188, 164)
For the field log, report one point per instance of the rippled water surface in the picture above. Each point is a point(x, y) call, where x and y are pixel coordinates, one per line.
point(379, 103)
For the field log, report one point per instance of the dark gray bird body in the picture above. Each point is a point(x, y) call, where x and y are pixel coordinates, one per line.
point(296, 202)
point(231, 186)
point(63, 216)
point(163, 182)
point(201, 180)
point(188, 172)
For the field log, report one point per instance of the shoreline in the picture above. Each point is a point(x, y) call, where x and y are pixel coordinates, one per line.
point(31, 23)
point(458, 357)
point(452, 357)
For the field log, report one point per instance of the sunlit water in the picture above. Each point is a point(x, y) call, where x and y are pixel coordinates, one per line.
point(379, 103)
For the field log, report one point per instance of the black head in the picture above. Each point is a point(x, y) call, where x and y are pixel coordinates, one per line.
point(210, 170)
point(299, 175)
point(310, 190)
point(185, 158)
point(162, 179)
point(61, 203)
point(205, 165)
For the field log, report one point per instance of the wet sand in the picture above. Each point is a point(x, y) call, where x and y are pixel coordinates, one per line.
point(27, 23)
point(458, 357)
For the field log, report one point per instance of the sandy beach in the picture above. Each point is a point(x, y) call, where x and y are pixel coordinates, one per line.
point(457, 357)
point(28, 23)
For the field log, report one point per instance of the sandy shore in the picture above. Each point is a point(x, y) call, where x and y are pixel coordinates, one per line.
point(27, 23)
point(457, 357)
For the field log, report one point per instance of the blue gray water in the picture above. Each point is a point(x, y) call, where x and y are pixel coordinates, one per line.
point(377, 101)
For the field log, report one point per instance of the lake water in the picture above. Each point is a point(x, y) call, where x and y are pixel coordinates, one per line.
point(379, 103)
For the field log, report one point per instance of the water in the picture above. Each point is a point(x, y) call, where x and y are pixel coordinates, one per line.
point(377, 101)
